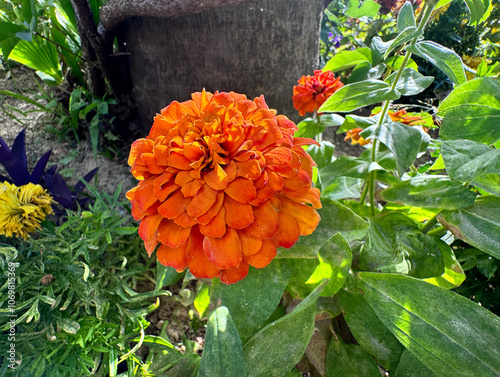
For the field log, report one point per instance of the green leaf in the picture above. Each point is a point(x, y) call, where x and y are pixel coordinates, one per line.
point(395, 244)
point(405, 17)
point(478, 225)
point(279, 346)
point(367, 329)
point(378, 47)
point(349, 360)
point(411, 82)
point(368, 8)
point(409, 365)
point(353, 96)
point(310, 128)
point(443, 58)
point(343, 187)
point(335, 258)
point(404, 36)
point(453, 274)
point(354, 121)
point(477, 8)
point(402, 140)
point(449, 334)
point(202, 301)
point(8, 30)
point(348, 59)
point(166, 276)
point(365, 71)
point(335, 218)
point(430, 191)
point(68, 325)
point(302, 269)
point(472, 111)
point(322, 155)
point(252, 300)
point(223, 353)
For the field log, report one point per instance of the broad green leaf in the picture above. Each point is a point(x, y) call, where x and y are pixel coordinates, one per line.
point(166, 276)
point(335, 258)
point(395, 244)
point(354, 121)
point(309, 127)
point(353, 96)
point(348, 59)
point(409, 366)
point(252, 300)
point(323, 154)
point(368, 8)
point(449, 334)
point(405, 17)
point(349, 360)
point(402, 140)
point(430, 191)
point(378, 48)
point(478, 225)
point(443, 58)
point(404, 36)
point(467, 160)
point(477, 8)
point(367, 329)
point(279, 346)
point(453, 274)
point(301, 269)
point(365, 71)
point(202, 301)
point(472, 111)
point(411, 82)
point(343, 187)
point(222, 353)
point(8, 30)
point(394, 62)
point(335, 218)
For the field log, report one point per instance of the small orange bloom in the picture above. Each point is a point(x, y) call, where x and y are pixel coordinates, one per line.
point(402, 117)
point(223, 183)
point(313, 91)
point(355, 137)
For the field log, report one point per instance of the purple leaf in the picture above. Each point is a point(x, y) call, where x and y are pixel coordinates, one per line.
point(37, 172)
point(19, 148)
point(61, 191)
point(14, 167)
point(88, 177)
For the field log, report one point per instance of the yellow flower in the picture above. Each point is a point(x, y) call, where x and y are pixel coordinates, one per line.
point(22, 209)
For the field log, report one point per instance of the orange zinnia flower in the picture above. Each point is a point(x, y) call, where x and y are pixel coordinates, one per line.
point(401, 116)
point(223, 183)
point(355, 137)
point(313, 91)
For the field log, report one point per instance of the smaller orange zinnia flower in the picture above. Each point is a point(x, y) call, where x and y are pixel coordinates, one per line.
point(313, 91)
point(355, 137)
point(401, 116)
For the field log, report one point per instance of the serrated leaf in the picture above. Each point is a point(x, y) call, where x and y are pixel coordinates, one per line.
point(411, 82)
point(478, 225)
point(471, 111)
point(449, 334)
point(279, 346)
point(443, 58)
point(430, 191)
point(402, 140)
point(353, 96)
point(222, 353)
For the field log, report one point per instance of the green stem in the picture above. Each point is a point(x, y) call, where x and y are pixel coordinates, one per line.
point(438, 232)
point(429, 224)
point(319, 137)
point(427, 12)
point(363, 195)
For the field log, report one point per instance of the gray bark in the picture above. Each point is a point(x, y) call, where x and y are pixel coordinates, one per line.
point(261, 47)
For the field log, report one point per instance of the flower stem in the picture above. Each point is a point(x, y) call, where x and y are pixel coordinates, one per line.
point(427, 12)
point(429, 224)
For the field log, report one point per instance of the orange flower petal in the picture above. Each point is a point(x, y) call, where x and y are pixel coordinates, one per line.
point(238, 215)
point(176, 258)
point(185, 220)
point(163, 193)
point(264, 256)
point(178, 161)
point(249, 244)
point(215, 228)
point(144, 195)
point(288, 232)
point(234, 275)
point(202, 202)
point(224, 252)
point(249, 169)
point(147, 231)
point(171, 234)
point(266, 222)
point(217, 178)
point(174, 206)
point(242, 190)
point(213, 211)
point(192, 188)
point(306, 217)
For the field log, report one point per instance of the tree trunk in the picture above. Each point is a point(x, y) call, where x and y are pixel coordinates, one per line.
point(261, 47)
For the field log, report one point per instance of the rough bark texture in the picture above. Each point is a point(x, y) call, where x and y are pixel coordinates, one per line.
point(258, 48)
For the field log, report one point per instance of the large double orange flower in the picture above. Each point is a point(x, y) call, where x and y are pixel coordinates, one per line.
point(223, 183)
point(313, 91)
